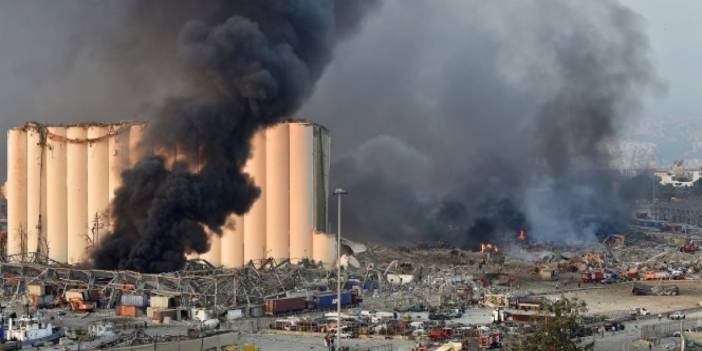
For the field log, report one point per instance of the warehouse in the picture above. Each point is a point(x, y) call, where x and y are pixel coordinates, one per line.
point(62, 178)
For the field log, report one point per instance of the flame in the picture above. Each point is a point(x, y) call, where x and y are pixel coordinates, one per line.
point(522, 235)
point(488, 247)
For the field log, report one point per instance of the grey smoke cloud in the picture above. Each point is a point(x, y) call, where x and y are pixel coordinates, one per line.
point(510, 102)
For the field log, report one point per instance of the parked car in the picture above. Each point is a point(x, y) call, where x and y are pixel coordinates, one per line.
point(454, 313)
point(676, 315)
point(676, 333)
point(419, 332)
point(437, 316)
point(640, 311)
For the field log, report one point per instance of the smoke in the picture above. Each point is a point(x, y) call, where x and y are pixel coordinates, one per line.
point(248, 65)
point(471, 120)
point(457, 120)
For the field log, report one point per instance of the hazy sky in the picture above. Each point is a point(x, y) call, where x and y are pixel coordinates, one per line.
point(674, 29)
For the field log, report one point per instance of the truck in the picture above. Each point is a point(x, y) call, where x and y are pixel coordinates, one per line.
point(688, 247)
point(483, 338)
point(328, 300)
point(656, 275)
point(284, 305)
point(440, 333)
point(592, 277)
point(80, 305)
point(639, 312)
point(677, 315)
point(661, 290)
point(528, 303)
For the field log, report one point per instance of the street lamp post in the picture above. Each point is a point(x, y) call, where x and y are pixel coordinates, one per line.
point(338, 193)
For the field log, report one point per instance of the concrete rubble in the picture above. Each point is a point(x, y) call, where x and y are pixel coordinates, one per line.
point(431, 294)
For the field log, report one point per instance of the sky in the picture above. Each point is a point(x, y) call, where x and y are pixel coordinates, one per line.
point(674, 29)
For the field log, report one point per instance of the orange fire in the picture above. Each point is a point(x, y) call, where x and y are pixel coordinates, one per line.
point(485, 247)
point(522, 235)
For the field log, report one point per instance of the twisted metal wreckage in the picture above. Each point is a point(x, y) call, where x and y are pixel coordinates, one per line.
point(199, 284)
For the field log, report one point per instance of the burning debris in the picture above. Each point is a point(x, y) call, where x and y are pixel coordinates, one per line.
point(488, 248)
point(522, 236)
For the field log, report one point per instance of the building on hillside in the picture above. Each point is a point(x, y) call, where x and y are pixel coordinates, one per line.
point(678, 176)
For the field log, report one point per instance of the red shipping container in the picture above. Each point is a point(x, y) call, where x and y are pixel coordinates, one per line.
point(126, 311)
point(285, 305)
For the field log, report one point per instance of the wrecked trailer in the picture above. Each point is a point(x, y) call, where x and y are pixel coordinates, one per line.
point(659, 290)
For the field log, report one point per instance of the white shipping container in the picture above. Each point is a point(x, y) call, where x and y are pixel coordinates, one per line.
point(73, 294)
point(35, 289)
point(159, 301)
point(235, 314)
point(200, 314)
point(150, 312)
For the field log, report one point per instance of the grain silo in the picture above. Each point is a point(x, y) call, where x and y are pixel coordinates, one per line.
point(60, 179)
point(290, 163)
point(36, 189)
point(16, 191)
point(77, 192)
point(255, 220)
point(278, 191)
point(98, 181)
point(56, 201)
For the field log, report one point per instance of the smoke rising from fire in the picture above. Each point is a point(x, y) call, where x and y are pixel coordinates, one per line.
point(248, 64)
point(478, 118)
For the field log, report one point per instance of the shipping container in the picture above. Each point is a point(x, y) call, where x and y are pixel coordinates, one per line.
point(329, 300)
point(160, 301)
point(285, 305)
point(307, 295)
point(160, 315)
point(235, 314)
point(75, 294)
point(133, 300)
point(592, 277)
point(201, 314)
point(126, 311)
point(35, 289)
point(653, 275)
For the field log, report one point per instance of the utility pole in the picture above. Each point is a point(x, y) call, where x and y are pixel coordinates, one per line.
point(338, 193)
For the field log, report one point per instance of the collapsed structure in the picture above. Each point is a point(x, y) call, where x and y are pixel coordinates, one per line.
point(62, 178)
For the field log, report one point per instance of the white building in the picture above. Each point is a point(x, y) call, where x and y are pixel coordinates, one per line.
point(678, 176)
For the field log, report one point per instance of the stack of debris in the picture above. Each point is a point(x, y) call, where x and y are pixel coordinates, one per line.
point(658, 290)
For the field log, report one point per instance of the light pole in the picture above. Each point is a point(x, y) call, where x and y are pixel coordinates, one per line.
point(338, 193)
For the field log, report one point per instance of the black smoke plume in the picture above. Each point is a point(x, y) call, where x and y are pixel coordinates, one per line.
point(480, 118)
point(247, 64)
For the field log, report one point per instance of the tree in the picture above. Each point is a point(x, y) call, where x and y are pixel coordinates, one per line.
point(559, 331)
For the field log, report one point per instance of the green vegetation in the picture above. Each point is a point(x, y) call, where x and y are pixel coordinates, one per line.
point(560, 331)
